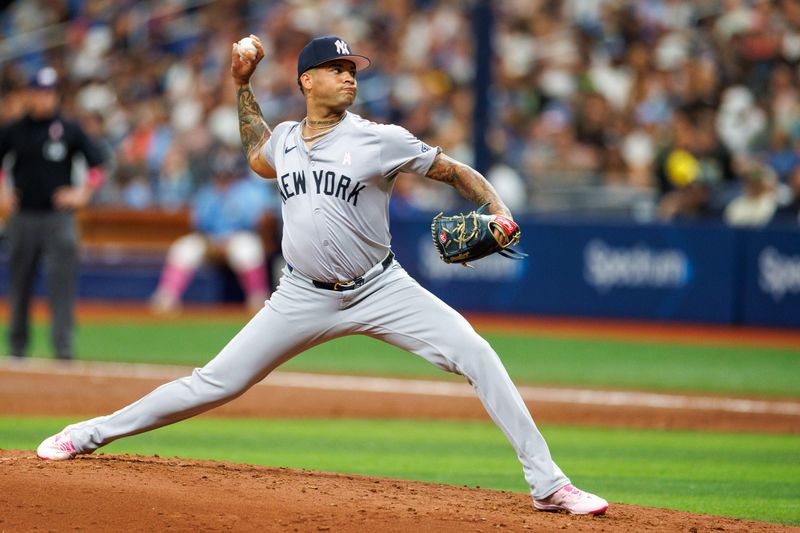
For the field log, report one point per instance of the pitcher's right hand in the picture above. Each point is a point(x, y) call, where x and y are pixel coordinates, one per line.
point(242, 67)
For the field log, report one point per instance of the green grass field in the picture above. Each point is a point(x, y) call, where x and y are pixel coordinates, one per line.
point(732, 474)
point(739, 475)
point(534, 359)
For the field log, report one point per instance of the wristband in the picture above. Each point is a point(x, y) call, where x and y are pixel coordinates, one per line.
point(508, 225)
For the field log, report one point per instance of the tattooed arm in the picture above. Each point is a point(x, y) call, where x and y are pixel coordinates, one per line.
point(468, 182)
point(253, 130)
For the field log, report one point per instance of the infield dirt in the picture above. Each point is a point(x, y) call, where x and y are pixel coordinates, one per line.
point(134, 493)
point(130, 493)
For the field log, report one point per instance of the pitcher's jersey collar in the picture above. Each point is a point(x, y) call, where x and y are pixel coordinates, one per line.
point(322, 141)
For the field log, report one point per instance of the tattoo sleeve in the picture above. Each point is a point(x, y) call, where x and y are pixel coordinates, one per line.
point(468, 182)
point(252, 128)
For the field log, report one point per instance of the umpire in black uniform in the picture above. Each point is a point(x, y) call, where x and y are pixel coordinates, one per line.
point(42, 201)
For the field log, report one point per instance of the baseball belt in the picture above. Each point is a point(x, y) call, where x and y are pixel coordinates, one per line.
point(354, 283)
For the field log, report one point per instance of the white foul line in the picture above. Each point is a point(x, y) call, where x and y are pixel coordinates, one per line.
point(417, 387)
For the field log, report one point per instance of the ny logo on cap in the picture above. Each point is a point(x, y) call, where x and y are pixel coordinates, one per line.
point(341, 47)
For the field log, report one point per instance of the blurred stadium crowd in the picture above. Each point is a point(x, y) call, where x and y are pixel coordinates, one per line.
point(649, 108)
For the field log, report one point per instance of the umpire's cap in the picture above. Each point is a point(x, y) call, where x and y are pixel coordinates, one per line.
point(328, 48)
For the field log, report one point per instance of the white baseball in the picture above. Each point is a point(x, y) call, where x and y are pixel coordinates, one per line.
point(247, 48)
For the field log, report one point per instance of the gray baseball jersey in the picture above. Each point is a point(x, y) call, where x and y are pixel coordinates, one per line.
point(335, 209)
point(336, 194)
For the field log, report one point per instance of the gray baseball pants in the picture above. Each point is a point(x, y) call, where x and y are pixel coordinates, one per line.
point(394, 308)
point(53, 238)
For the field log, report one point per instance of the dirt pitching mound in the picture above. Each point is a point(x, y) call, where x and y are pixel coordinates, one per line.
point(134, 493)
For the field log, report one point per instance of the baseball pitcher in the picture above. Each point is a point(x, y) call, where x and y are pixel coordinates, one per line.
point(335, 171)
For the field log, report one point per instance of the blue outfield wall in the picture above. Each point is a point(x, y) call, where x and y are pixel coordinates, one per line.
point(115, 280)
point(578, 269)
point(696, 273)
point(771, 287)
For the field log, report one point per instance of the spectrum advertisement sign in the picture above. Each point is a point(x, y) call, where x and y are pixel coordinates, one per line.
point(772, 278)
point(593, 269)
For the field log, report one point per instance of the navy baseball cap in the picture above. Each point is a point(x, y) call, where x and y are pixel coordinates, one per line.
point(328, 48)
point(45, 78)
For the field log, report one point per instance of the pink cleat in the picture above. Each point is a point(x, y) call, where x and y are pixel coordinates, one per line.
point(572, 500)
point(59, 447)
